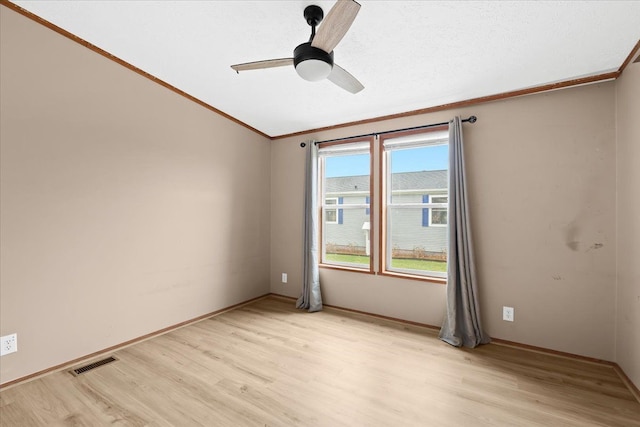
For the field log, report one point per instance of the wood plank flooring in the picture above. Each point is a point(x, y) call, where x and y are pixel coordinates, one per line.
point(268, 364)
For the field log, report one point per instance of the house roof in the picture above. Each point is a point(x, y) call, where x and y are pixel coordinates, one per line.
point(423, 180)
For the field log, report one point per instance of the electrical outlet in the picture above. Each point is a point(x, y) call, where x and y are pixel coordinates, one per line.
point(8, 344)
point(508, 314)
point(284, 277)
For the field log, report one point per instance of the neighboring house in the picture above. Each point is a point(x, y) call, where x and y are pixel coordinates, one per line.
point(418, 231)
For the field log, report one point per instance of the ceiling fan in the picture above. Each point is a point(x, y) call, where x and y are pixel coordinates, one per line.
point(313, 60)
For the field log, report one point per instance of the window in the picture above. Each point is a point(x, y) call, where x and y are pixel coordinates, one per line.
point(438, 215)
point(331, 215)
point(345, 182)
point(415, 198)
point(410, 237)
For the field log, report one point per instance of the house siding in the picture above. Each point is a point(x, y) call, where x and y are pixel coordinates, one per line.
point(410, 234)
point(407, 230)
point(349, 232)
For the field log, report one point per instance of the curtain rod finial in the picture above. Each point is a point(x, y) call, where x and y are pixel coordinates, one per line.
point(473, 119)
point(302, 144)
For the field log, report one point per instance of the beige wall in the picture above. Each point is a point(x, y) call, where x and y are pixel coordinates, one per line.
point(125, 208)
point(628, 222)
point(542, 190)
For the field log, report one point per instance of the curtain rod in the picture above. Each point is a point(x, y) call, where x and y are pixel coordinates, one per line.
point(471, 119)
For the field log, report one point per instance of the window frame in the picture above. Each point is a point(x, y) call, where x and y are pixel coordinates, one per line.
point(377, 209)
point(367, 269)
point(384, 253)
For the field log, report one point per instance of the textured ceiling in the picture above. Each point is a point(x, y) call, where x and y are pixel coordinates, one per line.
point(408, 54)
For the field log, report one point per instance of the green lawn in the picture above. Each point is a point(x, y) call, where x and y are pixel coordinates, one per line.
point(411, 264)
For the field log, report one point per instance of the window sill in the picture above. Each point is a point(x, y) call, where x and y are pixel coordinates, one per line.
point(346, 268)
point(430, 279)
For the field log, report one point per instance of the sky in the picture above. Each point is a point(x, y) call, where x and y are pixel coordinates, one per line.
point(412, 160)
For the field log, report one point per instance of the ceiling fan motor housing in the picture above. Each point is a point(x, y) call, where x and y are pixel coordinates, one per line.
point(311, 63)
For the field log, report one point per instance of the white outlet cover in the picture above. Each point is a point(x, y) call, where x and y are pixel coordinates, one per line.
point(8, 344)
point(508, 314)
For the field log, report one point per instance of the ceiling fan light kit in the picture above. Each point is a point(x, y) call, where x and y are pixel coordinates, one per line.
point(313, 60)
point(312, 64)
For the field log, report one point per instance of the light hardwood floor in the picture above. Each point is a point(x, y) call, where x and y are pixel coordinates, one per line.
point(268, 364)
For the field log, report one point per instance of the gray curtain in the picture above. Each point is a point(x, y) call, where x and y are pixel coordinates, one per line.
point(311, 298)
point(462, 325)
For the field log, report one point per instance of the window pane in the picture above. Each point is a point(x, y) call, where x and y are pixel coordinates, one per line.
point(438, 216)
point(346, 238)
point(416, 213)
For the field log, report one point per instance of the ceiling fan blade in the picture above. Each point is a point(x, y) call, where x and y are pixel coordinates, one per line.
point(346, 81)
point(335, 25)
point(269, 63)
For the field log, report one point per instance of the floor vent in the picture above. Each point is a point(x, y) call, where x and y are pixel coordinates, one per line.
point(90, 366)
